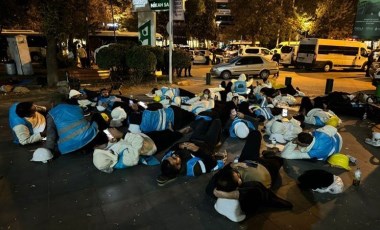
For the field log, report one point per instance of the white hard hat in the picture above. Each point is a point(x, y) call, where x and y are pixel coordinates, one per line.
point(100, 108)
point(42, 155)
point(73, 93)
point(118, 115)
point(241, 130)
point(104, 160)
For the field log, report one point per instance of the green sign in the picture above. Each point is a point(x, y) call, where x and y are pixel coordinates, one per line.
point(367, 23)
point(145, 34)
point(160, 5)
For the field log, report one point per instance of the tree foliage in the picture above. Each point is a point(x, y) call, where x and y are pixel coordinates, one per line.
point(257, 21)
point(334, 19)
point(200, 20)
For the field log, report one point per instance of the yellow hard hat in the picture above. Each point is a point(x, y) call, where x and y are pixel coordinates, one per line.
point(339, 160)
point(157, 98)
point(105, 117)
point(333, 121)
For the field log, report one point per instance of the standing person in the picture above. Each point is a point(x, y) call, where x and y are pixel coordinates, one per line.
point(82, 54)
point(276, 57)
point(369, 63)
point(188, 68)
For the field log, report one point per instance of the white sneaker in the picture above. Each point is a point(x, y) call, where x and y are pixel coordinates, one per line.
point(373, 142)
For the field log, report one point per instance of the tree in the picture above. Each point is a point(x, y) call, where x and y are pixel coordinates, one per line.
point(200, 20)
point(257, 21)
point(334, 19)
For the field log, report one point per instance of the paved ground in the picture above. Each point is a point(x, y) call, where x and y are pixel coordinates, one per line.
point(70, 193)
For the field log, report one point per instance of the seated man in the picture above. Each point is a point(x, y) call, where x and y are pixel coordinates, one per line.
point(70, 131)
point(106, 101)
point(319, 144)
point(27, 123)
point(249, 180)
point(193, 157)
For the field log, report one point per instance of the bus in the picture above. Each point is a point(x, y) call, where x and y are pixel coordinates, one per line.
point(328, 54)
point(36, 41)
point(100, 38)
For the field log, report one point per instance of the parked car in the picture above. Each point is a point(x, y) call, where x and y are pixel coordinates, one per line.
point(253, 50)
point(204, 57)
point(288, 55)
point(255, 65)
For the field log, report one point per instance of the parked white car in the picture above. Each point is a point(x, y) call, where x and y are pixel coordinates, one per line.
point(253, 50)
point(204, 57)
point(255, 65)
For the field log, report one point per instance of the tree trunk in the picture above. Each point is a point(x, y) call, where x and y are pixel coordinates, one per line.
point(51, 62)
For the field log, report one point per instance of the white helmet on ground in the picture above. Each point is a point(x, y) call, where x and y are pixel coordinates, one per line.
point(42, 155)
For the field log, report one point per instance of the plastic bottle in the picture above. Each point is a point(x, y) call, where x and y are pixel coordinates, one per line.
point(357, 177)
point(365, 116)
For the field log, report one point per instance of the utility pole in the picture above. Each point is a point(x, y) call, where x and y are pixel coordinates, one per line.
point(278, 31)
point(170, 41)
point(113, 22)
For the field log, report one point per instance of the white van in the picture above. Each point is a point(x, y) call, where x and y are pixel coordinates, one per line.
point(328, 54)
point(288, 55)
point(287, 43)
point(253, 50)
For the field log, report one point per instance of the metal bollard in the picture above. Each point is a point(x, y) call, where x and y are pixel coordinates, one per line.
point(288, 81)
point(329, 86)
point(208, 78)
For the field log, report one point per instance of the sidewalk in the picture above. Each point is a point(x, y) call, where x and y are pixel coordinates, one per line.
point(70, 193)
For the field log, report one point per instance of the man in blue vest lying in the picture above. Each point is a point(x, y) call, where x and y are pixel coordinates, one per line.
point(196, 156)
point(27, 123)
point(319, 144)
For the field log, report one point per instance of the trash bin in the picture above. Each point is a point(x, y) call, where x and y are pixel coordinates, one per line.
point(10, 68)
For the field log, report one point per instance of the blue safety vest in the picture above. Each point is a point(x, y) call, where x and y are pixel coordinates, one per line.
point(156, 120)
point(191, 163)
point(324, 145)
point(15, 120)
point(74, 131)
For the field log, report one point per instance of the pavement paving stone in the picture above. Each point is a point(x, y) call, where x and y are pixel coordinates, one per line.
point(69, 193)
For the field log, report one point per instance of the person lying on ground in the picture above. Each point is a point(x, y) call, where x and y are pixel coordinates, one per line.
point(239, 125)
point(195, 156)
point(27, 122)
point(282, 130)
point(149, 120)
point(319, 144)
point(248, 181)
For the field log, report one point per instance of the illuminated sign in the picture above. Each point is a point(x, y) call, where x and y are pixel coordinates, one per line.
point(367, 23)
point(159, 4)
